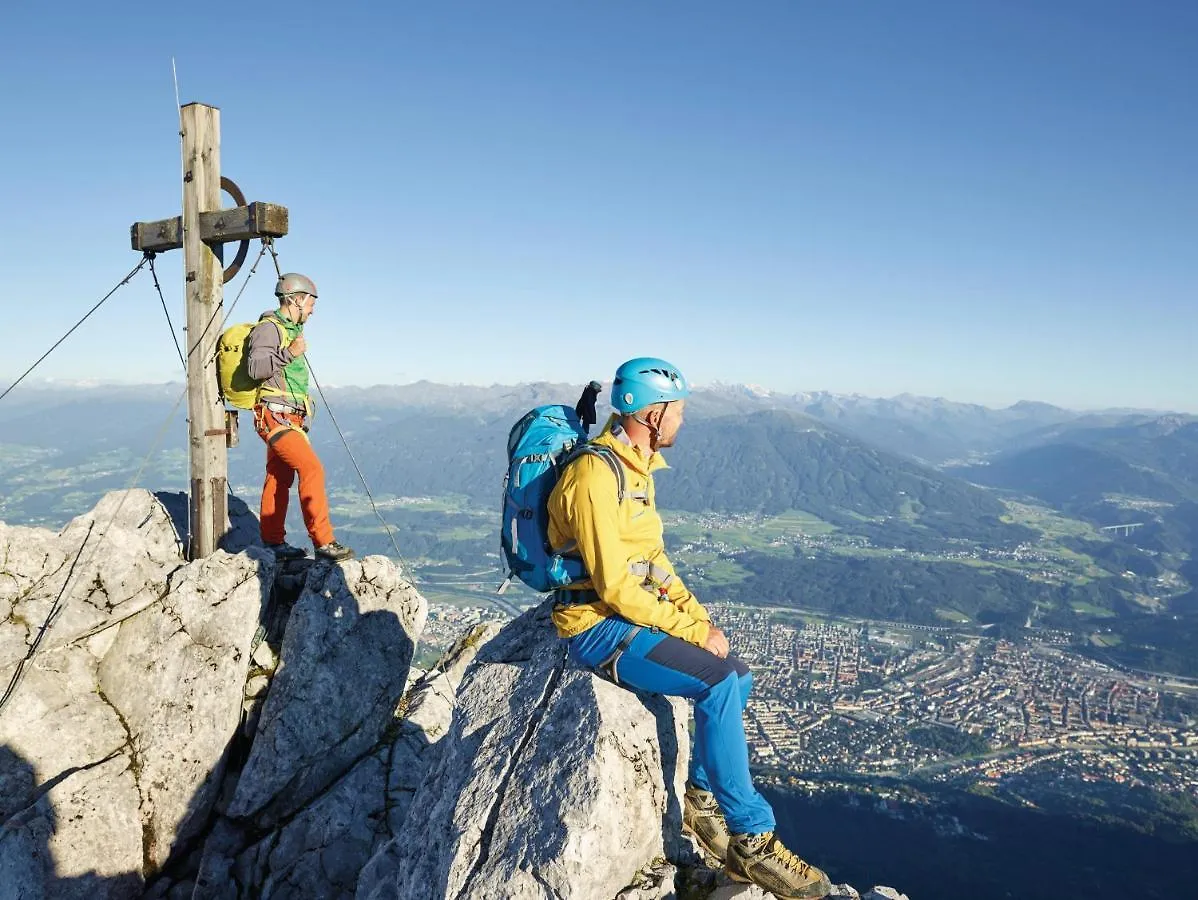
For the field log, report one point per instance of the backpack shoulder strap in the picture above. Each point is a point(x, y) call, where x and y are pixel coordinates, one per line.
point(608, 456)
point(273, 318)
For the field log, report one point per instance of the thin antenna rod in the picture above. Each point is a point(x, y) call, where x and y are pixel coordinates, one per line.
point(182, 236)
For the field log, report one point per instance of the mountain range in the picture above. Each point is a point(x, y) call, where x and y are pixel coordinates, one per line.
point(916, 473)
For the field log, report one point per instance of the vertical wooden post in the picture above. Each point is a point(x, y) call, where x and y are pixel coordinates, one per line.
point(204, 287)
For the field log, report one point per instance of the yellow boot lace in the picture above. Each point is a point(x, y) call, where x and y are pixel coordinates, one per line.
point(792, 862)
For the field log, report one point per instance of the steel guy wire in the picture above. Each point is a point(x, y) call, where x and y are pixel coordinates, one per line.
point(124, 281)
point(63, 594)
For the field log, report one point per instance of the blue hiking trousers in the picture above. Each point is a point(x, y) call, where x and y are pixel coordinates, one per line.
point(663, 664)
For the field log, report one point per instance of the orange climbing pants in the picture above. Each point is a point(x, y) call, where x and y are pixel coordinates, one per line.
point(289, 451)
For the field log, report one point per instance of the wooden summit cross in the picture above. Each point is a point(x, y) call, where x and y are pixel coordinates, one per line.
point(202, 231)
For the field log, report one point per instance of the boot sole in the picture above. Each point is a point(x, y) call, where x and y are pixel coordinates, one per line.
point(712, 855)
point(745, 879)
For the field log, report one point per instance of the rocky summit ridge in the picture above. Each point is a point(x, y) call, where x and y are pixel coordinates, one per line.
point(237, 727)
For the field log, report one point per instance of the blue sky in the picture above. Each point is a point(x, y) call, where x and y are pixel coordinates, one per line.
point(987, 201)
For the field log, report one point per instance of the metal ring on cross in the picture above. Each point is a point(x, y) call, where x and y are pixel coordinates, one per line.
point(229, 186)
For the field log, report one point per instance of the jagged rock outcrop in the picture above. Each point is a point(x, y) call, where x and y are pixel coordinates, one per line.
point(551, 783)
point(427, 714)
point(344, 664)
point(321, 851)
point(120, 724)
point(310, 804)
point(131, 548)
point(239, 728)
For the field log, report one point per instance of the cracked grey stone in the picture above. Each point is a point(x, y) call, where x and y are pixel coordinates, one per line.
point(176, 673)
point(654, 882)
point(113, 742)
point(427, 717)
point(342, 670)
point(264, 657)
point(546, 771)
point(74, 842)
point(66, 766)
point(310, 804)
point(321, 852)
point(884, 893)
point(256, 687)
point(122, 569)
point(733, 891)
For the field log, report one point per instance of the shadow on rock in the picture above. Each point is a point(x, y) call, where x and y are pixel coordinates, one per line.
point(27, 823)
point(243, 524)
point(309, 808)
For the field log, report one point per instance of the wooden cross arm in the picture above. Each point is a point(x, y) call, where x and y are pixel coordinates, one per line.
point(241, 223)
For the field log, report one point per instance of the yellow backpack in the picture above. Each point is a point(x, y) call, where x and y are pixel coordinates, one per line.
point(232, 365)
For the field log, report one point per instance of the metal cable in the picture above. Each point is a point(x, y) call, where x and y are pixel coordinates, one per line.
point(269, 245)
point(59, 603)
point(166, 312)
point(357, 468)
point(63, 594)
point(119, 285)
point(203, 365)
point(212, 318)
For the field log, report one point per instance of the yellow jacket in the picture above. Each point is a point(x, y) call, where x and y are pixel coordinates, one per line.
point(586, 517)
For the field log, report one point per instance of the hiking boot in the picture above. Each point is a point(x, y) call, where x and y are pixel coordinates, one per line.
point(702, 819)
point(286, 551)
point(334, 551)
point(762, 860)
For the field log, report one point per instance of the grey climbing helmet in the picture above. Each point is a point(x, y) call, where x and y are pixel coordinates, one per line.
point(294, 283)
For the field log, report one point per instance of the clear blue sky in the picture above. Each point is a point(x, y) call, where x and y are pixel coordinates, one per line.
point(985, 201)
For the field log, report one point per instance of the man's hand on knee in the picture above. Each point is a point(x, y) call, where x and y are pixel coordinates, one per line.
point(716, 642)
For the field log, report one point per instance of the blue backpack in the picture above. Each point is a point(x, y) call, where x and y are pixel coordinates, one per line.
point(539, 447)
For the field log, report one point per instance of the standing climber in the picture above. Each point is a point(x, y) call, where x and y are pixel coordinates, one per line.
point(282, 413)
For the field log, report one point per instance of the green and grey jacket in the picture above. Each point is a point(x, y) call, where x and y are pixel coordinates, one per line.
point(283, 377)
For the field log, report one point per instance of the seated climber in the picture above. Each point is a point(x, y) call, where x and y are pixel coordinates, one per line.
point(636, 621)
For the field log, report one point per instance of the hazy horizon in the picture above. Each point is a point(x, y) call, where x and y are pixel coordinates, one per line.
point(756, 389)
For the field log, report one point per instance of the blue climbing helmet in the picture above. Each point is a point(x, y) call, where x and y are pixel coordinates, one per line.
point(644, 381)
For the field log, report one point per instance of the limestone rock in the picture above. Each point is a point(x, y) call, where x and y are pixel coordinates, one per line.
point(81, 838)
point(71, 789)
point(342, 671)
point(734, 891)
point(730, 890)
point(310, 804)
point(427, 715)
point(131, 548)
point(176, 673)
point(655, 881)
point(319, 853)
point(546, 771)
point(114, 739)
point(884, 893)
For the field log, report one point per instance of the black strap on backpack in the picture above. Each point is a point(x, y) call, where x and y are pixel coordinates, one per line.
point(586, 405)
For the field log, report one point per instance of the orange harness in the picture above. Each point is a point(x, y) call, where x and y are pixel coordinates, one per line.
point(272, 425)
